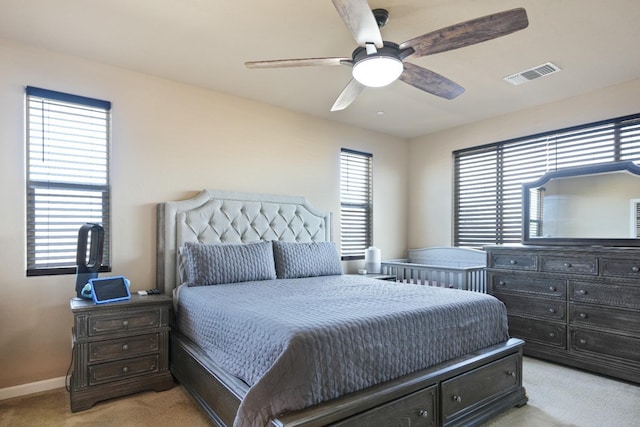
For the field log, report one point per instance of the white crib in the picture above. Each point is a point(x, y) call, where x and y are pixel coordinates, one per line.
point(448, 267)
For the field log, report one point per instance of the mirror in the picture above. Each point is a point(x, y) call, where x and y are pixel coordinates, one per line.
point(587, 205)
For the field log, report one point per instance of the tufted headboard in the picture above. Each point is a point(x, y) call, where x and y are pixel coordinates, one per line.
point(229, 217)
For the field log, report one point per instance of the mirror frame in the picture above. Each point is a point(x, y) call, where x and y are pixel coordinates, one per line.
point(600, 168)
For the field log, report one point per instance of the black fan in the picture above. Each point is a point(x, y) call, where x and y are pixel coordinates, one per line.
point(375, 58)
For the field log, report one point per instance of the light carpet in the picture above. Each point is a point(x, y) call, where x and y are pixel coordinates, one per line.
point(558, 397)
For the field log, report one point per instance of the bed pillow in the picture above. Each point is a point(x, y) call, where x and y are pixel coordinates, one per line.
point(294, 260)
point(228, 263)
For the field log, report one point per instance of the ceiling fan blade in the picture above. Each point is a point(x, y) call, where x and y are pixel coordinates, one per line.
point(468, 33)
point(359, 19)
point(348, 95)
point(302, 62)
point(430, 81)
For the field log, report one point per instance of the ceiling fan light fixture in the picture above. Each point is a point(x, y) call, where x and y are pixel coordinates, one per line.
point(377, 70)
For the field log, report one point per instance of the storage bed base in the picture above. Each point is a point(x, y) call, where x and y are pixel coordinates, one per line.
point(463, 391)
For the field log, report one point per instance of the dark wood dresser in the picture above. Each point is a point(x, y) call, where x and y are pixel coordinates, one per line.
point(578, 306)
point(119, 348)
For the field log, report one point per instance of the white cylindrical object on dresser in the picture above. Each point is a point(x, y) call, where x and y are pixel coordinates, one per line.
point(372, 260)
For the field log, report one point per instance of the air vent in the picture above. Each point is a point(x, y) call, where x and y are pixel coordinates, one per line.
point(532, 73)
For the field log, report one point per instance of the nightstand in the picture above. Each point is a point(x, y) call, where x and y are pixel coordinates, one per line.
point(119, 348)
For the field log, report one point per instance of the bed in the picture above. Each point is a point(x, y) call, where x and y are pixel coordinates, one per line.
point(301, 344)
point(450, 267)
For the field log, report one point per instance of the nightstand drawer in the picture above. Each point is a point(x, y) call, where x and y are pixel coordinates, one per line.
point(108, 324)
point(113, 371)
point(123, 347)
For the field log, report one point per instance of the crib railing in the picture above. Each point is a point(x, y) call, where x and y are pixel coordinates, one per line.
point(465, 278)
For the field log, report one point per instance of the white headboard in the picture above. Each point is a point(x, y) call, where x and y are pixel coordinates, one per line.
point(215, 216)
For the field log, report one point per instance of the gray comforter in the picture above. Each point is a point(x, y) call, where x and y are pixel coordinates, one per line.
point(298, 342)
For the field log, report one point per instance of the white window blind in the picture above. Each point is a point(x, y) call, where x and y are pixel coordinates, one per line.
point(67, 144)
point(488, 179)
point(356, 204)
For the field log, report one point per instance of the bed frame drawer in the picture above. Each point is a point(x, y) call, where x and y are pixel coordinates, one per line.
point(417, 409)
point(479, 385)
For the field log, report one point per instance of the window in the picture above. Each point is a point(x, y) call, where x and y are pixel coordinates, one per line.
point(356, 203)
point(67, 145)
point(488, 179)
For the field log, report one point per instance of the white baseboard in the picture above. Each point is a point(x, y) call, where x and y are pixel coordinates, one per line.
point(36, 387)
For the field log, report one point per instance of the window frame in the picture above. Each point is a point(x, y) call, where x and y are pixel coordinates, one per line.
point(356, 203)
point(60, 199)
point(487, 206)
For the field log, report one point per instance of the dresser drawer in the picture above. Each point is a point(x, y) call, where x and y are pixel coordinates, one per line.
point(537, 307)
point(108, 324)
point(606, 344)
point(123, 347)
point(513, 261)
point(113, 371)
point(521, 283)
point(605, 317)
point(607, 293)
point(621, 267)
point(417, 409)
point(571, 265)
point(480, 384)
point(540, 331)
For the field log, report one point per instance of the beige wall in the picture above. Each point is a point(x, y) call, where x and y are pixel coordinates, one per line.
point(431, 160)
point(170, 140)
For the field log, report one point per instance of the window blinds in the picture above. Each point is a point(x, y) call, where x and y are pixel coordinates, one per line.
point(67, 144)
point(488, 179)
point(355, 203)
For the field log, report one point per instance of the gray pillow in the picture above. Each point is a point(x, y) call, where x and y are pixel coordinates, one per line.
point(228, 263)
point(295, 260)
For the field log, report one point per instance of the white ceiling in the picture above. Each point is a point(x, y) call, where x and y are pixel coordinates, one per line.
point(206, 42)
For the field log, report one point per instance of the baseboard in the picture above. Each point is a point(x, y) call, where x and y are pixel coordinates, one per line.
point(30, 388)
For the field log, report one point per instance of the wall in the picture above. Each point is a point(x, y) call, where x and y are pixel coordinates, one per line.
point(431, 181)
point(170, 140)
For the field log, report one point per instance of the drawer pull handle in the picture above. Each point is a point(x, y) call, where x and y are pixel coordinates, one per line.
point(511, 374)
point(423, 413)
point(502, 283)
point(552, 310)
point(513, 262)
point(583, 341)
point(635, 268)
point(457, 398)
point(552, 288)
point(583, 315)
point(125, 369)
point(567, 264)
point(125, 323)
point(125, 347)
point(552, 334)
point(582, 292)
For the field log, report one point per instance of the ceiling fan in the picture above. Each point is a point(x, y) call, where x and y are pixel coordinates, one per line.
point(377, 63)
